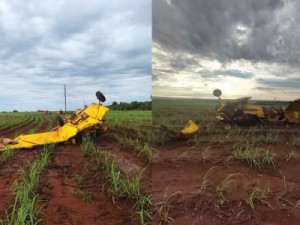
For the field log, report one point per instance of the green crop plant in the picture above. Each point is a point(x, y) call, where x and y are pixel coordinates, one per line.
point(291, 155)
point(25, 209)
point(142, 208)
point(136, 145)
point(223, 187)
point(85, 196)
point(146, 150)
point(78, 178)
point(87, 146)
point(128, 188)
point(254, 156)
point(249, 154)
point(257, 194)
point(268, 157)
point(6, 155)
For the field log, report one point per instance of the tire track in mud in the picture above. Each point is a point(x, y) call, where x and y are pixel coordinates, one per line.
point(61, 207)
point(128, 162)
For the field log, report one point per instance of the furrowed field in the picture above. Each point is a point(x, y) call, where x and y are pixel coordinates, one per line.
point(244, 175)
point(100, 180)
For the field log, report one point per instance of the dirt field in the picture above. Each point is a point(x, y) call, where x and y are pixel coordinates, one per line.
point(207, 180)
point(72, 189)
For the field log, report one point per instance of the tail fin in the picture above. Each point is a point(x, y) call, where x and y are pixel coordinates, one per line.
point(294, 106)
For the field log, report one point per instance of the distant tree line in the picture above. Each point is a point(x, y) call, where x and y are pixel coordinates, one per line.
point(131, 106)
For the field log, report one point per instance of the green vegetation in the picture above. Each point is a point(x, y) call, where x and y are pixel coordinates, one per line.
point(257, 194)
point(223, 187)
point(121, 187)
point(230, 148)
point(123, 106)
point(25, 209)
point(120, 117)
point(78, 178)
point(132, 130)
point(85, 196)
point(255, 156)
point(6, 155)
point(137, 145)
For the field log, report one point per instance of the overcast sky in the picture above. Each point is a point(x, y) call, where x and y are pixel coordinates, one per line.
point(87, 45)
point(243, 47)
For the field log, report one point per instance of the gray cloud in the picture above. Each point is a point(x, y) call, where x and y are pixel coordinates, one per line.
point(227, 30)
point(221, 40)
point(87, 45)
point(282, 83)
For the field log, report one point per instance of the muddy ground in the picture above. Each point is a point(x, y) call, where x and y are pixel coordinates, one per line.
point(61, 179)
point(57, 183)
point(185, 186)
point(10, 171)
point(61, 207)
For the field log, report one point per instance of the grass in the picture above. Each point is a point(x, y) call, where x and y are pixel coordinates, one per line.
point(6, 155)
point(141, 148)
point(257, 195)
point(122, 188)
point(85, 196)
point(164, 207)
point(254, 156)
point(291, 155)
point(79, 179)
point(205, 182)
point(25, 209)
point(223, 187)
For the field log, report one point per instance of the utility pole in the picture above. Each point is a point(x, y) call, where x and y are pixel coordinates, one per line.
point(65, 92)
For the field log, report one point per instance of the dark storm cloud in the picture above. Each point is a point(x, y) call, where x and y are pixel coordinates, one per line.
point(180, 62)
point(230, 30)
point(87, 45)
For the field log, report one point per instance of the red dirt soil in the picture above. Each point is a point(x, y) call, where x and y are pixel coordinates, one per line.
point(179, 169)
point(9, 173)
point(61, 207)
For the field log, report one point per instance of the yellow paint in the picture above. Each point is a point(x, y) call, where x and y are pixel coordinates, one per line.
point(254, 110)
point(190, 128)
point(292, 117)
point(86, 120)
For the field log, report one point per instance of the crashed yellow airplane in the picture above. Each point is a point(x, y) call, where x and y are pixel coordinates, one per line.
point(87, 120)
point(240, 111)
